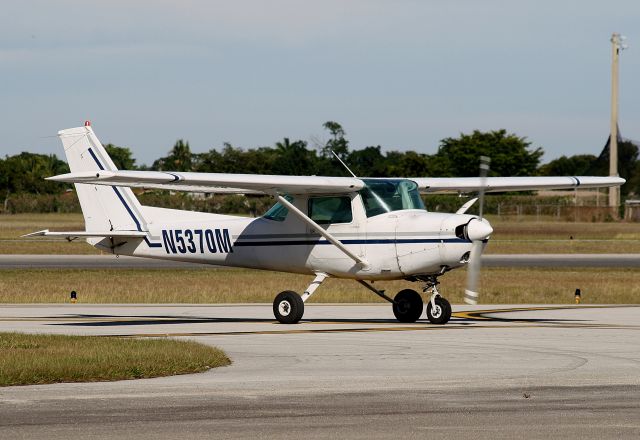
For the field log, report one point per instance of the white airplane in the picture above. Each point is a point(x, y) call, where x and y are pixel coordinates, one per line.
point(344, 227)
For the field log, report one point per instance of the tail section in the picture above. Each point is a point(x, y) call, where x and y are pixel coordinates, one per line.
point(105, 208)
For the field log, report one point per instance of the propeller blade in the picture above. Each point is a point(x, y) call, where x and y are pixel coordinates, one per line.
point(484, 169)
point(473, 274)
point(481, 230)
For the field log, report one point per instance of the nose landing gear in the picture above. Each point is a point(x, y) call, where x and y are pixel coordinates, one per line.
point(438, 311)
point(438, 308)
point(288, 307)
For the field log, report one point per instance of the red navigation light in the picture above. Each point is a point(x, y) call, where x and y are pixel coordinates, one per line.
point(87, 123)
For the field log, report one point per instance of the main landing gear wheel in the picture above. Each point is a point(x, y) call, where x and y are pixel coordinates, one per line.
point(288, 307)
point(441, 313)
point(407, 306)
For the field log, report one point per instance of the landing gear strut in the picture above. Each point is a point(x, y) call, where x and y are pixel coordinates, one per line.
point(288, 307)
point(407, 304)
point(438, 308)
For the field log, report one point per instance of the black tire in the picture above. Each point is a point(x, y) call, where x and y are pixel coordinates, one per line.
point(442, 312)
point(448, 310)
point(288, 307)
point(407, 306)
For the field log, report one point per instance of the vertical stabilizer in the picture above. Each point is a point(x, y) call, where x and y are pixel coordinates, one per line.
point(105, 208)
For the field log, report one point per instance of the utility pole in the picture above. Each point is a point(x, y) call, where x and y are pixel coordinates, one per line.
point(614, 192)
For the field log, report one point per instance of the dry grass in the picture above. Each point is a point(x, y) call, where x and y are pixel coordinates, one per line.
point(202, 286)
point(551, 285)
point(45, 247)
point(527, 229)
point(38, 359)
point(12, 226)
point(563, 247)
point(531, 237)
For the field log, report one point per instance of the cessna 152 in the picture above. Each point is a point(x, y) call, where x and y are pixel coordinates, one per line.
point(346, 227)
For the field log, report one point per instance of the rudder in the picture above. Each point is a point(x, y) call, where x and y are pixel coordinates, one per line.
point(105, 208)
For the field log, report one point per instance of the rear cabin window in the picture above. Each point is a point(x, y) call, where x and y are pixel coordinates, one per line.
point(278, 212)
point(327, 210)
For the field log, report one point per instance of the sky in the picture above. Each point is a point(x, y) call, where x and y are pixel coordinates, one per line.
point(401, 74)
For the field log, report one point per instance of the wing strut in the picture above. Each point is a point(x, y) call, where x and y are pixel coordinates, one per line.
point(334, 241)
point(380, 293)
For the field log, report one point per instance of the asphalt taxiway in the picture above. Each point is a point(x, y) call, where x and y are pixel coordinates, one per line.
point(348, 371)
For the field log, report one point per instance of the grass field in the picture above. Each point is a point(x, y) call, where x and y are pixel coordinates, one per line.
point(13, 226)
point(525, 236)
point(39, 359)
point(500, 285)
point(203, 286)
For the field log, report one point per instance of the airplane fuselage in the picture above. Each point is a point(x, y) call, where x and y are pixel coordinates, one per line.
point(397, 244)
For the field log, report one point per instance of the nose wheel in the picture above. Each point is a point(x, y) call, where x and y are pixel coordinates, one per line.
point(438, 310)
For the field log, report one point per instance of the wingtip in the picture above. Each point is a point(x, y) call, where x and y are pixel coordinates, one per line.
point(79, 177)
point(36, 234)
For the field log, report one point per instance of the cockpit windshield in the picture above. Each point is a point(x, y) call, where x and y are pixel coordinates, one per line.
point(387, 195)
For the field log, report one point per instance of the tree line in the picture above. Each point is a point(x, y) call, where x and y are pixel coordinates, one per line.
point(511, 155)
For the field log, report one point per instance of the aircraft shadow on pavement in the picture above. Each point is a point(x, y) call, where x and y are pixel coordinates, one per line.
point(120, 320)
point(90, 320)
point(475, 316)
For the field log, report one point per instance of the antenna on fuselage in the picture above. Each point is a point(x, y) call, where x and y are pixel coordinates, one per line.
point(343, 164)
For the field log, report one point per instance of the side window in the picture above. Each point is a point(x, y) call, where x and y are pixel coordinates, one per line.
point(373, 204)
point(278, 212)
point(325, 210)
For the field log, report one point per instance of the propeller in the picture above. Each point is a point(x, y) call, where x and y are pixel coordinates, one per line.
point(477, 231)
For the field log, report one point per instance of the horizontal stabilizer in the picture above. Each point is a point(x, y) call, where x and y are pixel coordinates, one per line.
point(72, 235)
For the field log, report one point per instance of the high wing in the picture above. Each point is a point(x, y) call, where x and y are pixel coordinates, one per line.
point(269, 184)
point(216, 182)
point(503, 184)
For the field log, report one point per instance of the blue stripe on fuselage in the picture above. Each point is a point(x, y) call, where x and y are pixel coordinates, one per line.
point(372, 241)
